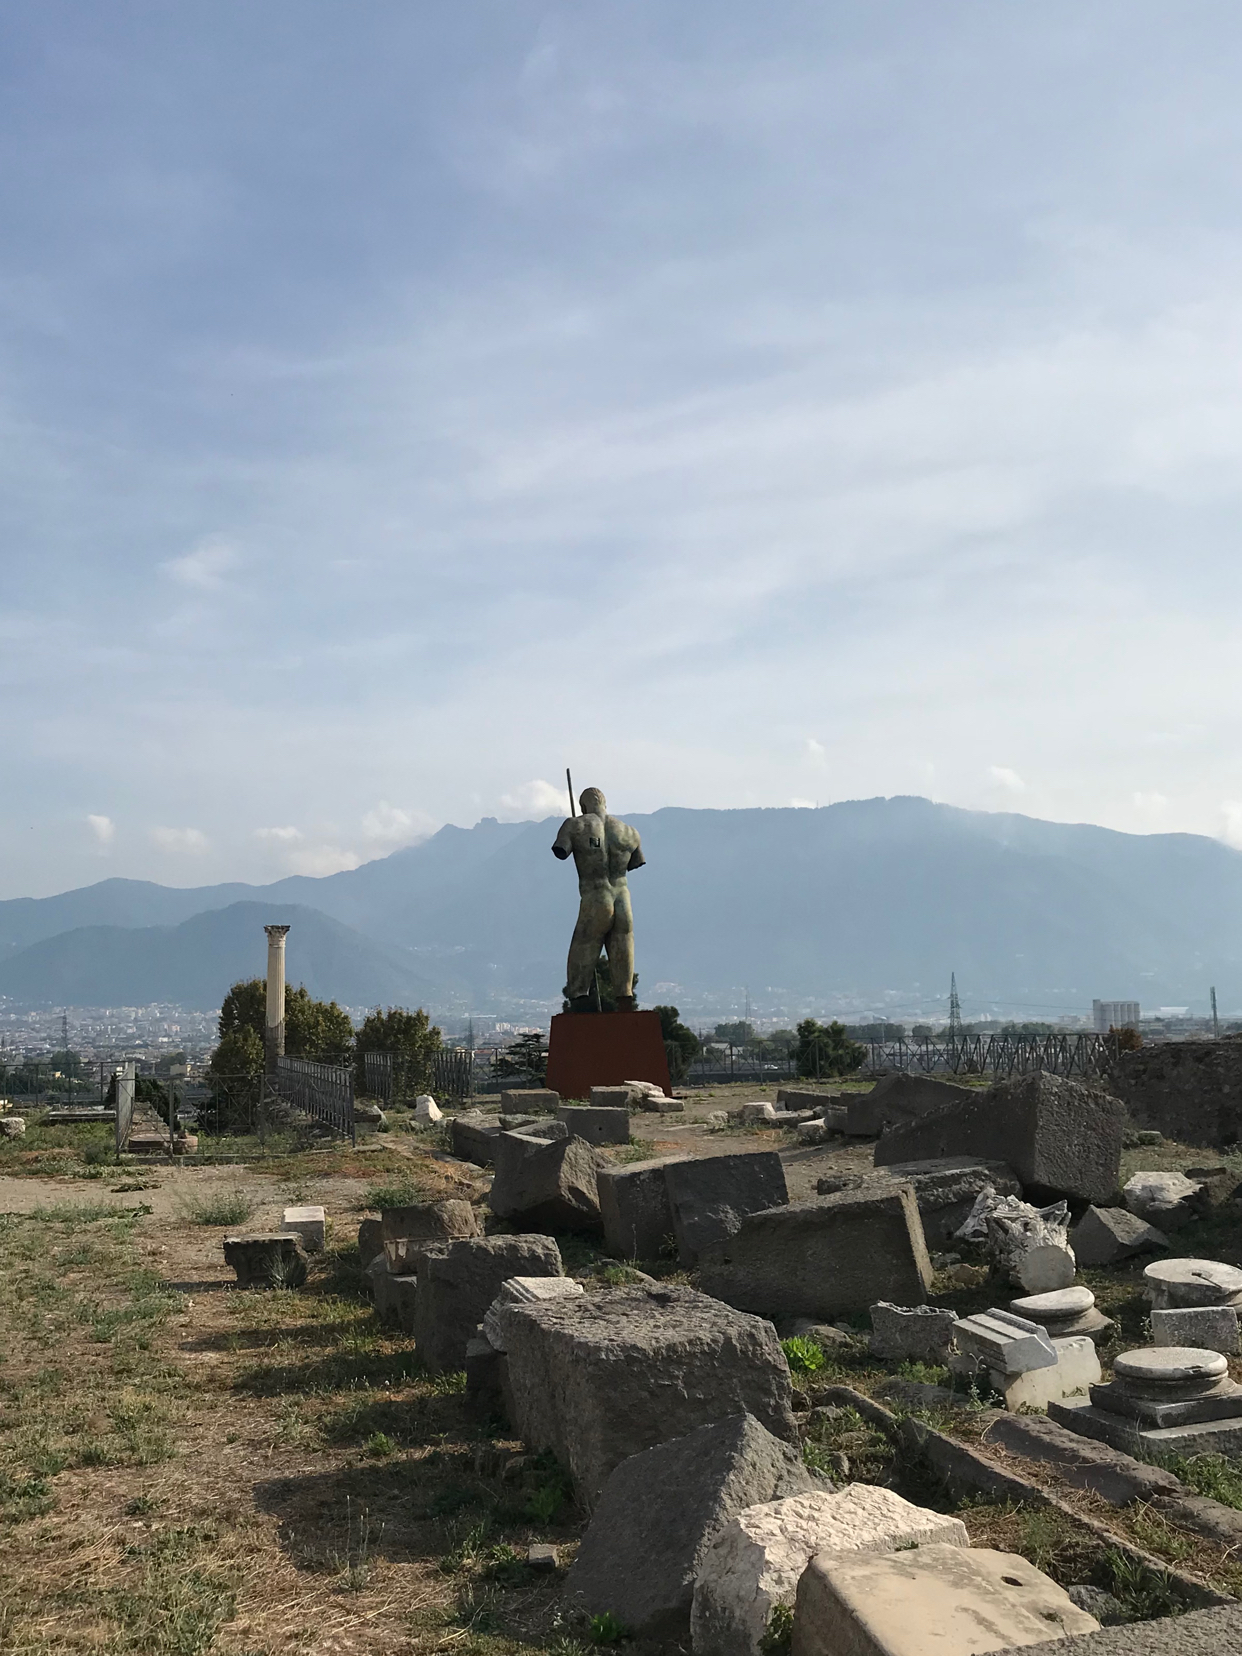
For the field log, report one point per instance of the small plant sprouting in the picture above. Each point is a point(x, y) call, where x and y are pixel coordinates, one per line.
point(605, 1629)
point(543, 1504)
point(803, 1355)
point(778, 1635)
point(379, 1445)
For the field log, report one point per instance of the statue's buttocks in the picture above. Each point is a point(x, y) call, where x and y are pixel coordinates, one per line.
point(604, 850)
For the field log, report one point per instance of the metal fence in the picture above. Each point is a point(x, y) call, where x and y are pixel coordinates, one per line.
point(723, 1063)
point(323, 1091)
point(452, 1075)
point(1001, 1055)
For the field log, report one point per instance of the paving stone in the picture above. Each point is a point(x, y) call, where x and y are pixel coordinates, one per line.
point(635, 1208)
point(659, 1512)
point(547, 1186)
point(1110, 1473)
point(950, 1601)
point(599, 1379)
point(275, 1260)
point(596, 1126)
point(823, 1258)
point(923, 1333)
point(756, 1561)
point(1212, 1327)
point(1060, 1137)
point(532, 1100)
point(457, 1282)
point(525, 1291)
point(370, 1240)
point(1105, 1236)
point(309, 1224)
point(711, 1195)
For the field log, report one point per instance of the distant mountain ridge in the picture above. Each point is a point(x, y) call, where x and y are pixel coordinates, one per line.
point(855, 899)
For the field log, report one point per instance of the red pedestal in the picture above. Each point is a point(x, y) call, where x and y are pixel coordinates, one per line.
point(603, 1049)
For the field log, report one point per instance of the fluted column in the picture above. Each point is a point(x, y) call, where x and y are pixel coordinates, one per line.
point(274, 1034)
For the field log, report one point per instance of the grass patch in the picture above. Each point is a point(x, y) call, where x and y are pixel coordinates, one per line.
point(400, 1193)
point(221, 1207)
point(1215, 1476)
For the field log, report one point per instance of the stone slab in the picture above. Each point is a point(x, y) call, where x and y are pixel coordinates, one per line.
point(1201, 1633)
point(1221, 1403)
point(1105, 1236)
point(635, 1209)
point(599, 1379)
point(659, 1512)
point(929, 1601)
point(823, 1258)
point(923, 1333)
point(600, 1049)
point(595, 1125)
point(1206, 1437)
point(756, 1561)
point(711, 1195)
point(310, 1224)
point(529, 1101)
point(457, 1282)
point(1060, 1137)
point(1086, 1463)
point(1209, 1327)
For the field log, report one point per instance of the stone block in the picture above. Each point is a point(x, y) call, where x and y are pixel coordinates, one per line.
point(612, 1098)
point(1217, 1185)
point(711, 1195)
point(529, 1101)
point(812, 1132)
point(1201, 1633)
point(542, 1557)
point(1075, 1371)
point(756, 1561)
point(1198, 1437)
point(1205, 1327)
point(600, 1379)
point(999, 1341)
point(923, 1333)
point(1060, 1137)
point(808, 1098)
point(1166, 1200)
point(427, 1111)
point(407, 1230)
point(751, 1115)
point(659, 1512)
point(547, 1185)
point(544, 1130)
point(1178, 1283)
point(370, 1240)
point(485, 1379)
point(474, 1139)
point(308, 1223)
point(402, 1295)
point(947, 1188)
point(1105, 1236)
point(12, 1126)
point(457, 1282)
point(898, 1098)
point(594, 1124)
point(955, 1601)
point(275, 1260)
point(823, 1258)
point(380, 1283)
point(525, 1291)
point(635, 1209)
point(1117, 1477)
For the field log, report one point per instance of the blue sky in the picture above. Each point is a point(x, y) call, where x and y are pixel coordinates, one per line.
point(742, 405)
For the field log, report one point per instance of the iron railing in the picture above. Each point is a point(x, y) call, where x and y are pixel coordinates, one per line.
point(1000, 1055)
point(324, 1092)
point(449, 1075)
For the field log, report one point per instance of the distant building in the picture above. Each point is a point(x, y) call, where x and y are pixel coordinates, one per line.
point(1114, 1015)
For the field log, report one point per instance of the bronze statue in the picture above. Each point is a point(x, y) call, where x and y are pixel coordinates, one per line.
point(604, 850)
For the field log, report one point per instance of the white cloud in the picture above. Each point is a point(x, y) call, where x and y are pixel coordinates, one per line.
point(1151, 804)
point(103, 828)
point(1232, 831)
point(280, 835)
point(191, 841)
point(205, 565)
point(318, 860)
point(1007, 778)
point(537, 799)
point(815, 751)
point(804, 804)
point(390, 825)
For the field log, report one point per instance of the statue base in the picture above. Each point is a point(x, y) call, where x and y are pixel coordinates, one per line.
point(603, 1049)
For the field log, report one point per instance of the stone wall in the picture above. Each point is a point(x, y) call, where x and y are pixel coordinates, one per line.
point(1189, 1090)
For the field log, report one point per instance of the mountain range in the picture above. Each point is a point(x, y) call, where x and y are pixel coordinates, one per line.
point(866, 901)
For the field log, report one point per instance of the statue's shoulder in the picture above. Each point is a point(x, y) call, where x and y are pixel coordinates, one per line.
point(621, 833)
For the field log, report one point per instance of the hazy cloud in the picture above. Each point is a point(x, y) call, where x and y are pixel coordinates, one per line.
point(206, 565)
point(390, 825)
point(103, 828)
point(1008, 779)
point(537, 799)
point(282, 836)
point(319, 860)
point(190, 841)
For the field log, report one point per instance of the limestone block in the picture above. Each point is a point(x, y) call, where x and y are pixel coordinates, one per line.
point(750, 1114)
point(309, 1223)
point(659, 1512)
point(611, 1098)
point(947, 1189)
point(635, 1209)
point(1174, 1283)
point(711, 1195)
point(921, 1332)
point(1208, 1327)
point(999, 1341)
point(757, 1559)
point(275, 1260)
point(407, 1230)
point(370, 1240)
point(474, 1139)
point(427, 1110)
point(525, 1291)
point(12, 1126)
point(596, 1125)
point(529, 1100)
point(823, 1258)
point(547, 1185)
point(1076, 1369)
point(899, 1098)
point(603, 1378)
point(1060, 1137)
point(380, 1281)
point(457, 1281)
point(953, 1601)
point(1166, 1200)
point(1104, 1236)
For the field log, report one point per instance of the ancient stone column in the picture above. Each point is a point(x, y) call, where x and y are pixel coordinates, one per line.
point(274, 1035)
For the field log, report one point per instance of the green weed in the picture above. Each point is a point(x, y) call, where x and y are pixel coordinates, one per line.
point(605, 1629)
point(803, 1355)
point(778, 1635)
point(221, 1207)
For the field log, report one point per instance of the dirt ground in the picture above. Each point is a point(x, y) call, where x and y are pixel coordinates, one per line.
point(187, 1467)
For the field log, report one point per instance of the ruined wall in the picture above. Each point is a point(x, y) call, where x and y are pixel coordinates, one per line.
point(1189, 1090)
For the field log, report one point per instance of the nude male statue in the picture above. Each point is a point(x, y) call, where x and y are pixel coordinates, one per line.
point(604, 850)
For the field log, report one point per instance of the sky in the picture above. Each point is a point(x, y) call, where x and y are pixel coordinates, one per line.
point(741, 405)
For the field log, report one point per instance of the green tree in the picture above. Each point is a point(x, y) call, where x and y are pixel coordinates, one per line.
point(525, 1059)
point(67, 1064)
point(737, 1034)
point(412, 1040)
point(239, 1053)
point(827, 1049)
point(313, 1029)
point(681, 1045)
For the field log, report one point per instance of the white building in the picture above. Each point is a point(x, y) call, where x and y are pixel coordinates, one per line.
point(1114, 1015)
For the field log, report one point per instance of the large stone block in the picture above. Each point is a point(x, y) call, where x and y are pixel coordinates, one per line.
point(1104, 1236)
point(474, 1139)
point(603, 1378)
point(922, 1333)
point(823, 1258)
point(595, 1125)
point(658, 1514)
point(635, 1209)
point(1061, 1138)
point(955, 1601)
point(407, 1230)
point(711, 1195)
point(529, 1101)
point(945, 1188)
point(274, 1260)
point(1201, 1633)
point(547, 1185)
point(898, 1098)
point(1206, 1327)
point(757, 1559)
point(457, 1281)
